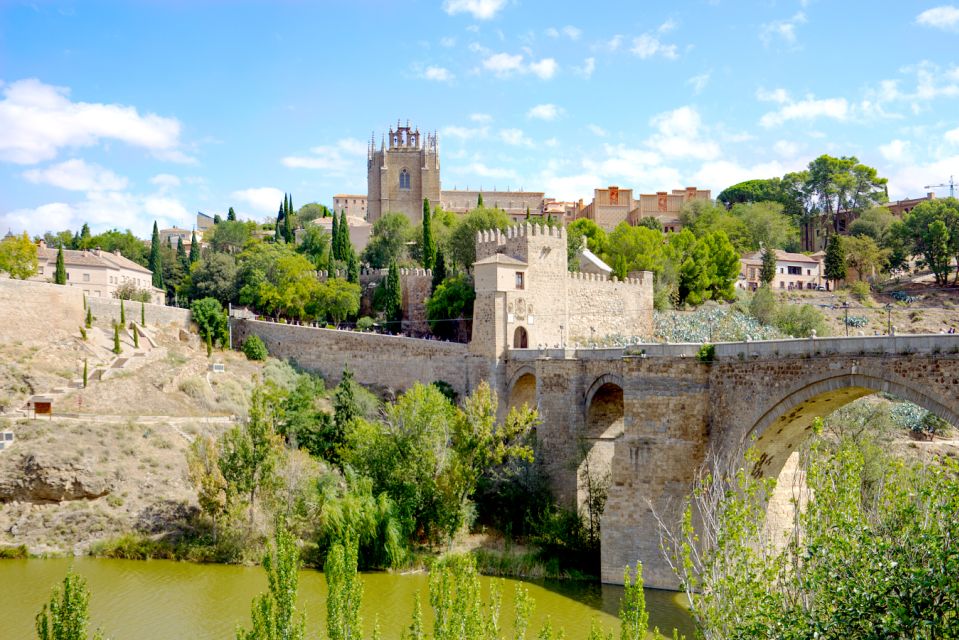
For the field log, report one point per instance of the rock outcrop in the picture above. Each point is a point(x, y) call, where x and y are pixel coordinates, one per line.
point(47, 478)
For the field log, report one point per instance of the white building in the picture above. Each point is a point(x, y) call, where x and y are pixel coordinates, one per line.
point(98, 273)
point(793, 271)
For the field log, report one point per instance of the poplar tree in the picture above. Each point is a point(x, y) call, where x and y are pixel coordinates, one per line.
point(345, 590)
point(66, 615)
point(156, 262)
point(181, 254)
point(394, 294)
point(194, 248)
point(231, 216)
point(429, 245)
point(60, 276)
point(273, 614)
point(335, 238)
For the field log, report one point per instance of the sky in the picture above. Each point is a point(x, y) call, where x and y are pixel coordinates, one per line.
point(121, 113)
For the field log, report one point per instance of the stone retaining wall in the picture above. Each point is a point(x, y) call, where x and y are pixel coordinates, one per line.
point(107, 310)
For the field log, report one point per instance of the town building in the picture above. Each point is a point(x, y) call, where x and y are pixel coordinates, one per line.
point(815, 233)
point(203, 221)
point(353, 204)
point(514, 203)
point(360, 230)
point(175, 234)
point(98, 273)
point(613, 205)
point(793, 271)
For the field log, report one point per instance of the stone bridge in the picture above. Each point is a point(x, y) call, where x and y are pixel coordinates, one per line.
point(650, 413)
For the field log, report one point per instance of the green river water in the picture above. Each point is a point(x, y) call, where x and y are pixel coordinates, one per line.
point(154, 600)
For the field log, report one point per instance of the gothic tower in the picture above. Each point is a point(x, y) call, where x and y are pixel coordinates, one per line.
point(400, 175)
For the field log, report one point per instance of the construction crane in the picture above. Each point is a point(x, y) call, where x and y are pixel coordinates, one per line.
point(951, 184)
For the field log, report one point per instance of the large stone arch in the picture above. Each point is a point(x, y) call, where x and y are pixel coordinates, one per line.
point(786, 423)
point(522, 388)
point(604, 418)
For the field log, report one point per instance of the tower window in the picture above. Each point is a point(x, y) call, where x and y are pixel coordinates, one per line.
point(404, 179)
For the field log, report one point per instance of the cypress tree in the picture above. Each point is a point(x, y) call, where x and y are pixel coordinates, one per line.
point(289, 205)
point(123, 313)
point(335, 239)
point(116, 339)
point(331, 264)
point(479, 200)
point(527, 213)
point(194, 248)
point(181, 254)
point(439, 269)
point(835, 260)
point(394, 295)
point(84, 236)
point(353, 268)
point(288, 233)
point(429, 245)
point(278, 232)
point(89, 319)
point(60, 276)
point(231, 215)
point(136, 338)
point(345, 244)
point(143, 314)
point(156, 262)
point(217, 218)
point(84, 373)
point(768, 269)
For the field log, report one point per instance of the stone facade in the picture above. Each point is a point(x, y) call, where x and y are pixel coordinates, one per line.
point(514, 203)
point(353, 204)
point(400, 175)
point(106, 311)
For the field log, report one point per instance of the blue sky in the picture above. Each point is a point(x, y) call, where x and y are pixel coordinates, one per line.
point(121, 113)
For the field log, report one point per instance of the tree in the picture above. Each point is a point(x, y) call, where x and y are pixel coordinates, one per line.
point(932, 229)
point(289, 232)
point(839, 187)
point(835, 260)
point(345, 591)
point(156, 265)
point(194, 248)
point(767, 271)
point(181, 257)
point(214, 277)
point(231, 216)
point(249, 453)
point(439, 269)
point(451, 300)
point(391, 233)
point(66, 615)
point(864, 255)
point(116, 339)
point(462, 243)
point(634, 248)
point(352, 268)
point(725, 266)
point(335, 240)
point(86, 372)
point(278, 228)
point(60, 275)
point(766, 225)
point(479, 201)
point(88, 321)
point(229, 236)
point(203, 462)
point(123, 314)
point(18, 256)
point(254, 349)
point(429, 245)
point(211, 320)
point(315, 245)
point(311, 211)
point(338, 299)
point(394, 297)
point(273, 614)
point(633, 618)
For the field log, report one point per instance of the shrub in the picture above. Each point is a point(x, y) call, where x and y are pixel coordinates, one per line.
point(860, 291)
point(800, 320)
point(211, 320)
point(364, 324)
point(254, 349)
point(763, 305)
point(707, 353)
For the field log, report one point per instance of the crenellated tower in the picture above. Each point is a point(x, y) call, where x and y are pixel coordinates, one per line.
point(403, 171)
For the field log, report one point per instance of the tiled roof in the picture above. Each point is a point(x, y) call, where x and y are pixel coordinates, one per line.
point(501, 258)
point(80, 258)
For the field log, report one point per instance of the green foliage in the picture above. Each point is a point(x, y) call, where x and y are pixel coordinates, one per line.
point(123, 314)
point(706, 353)
point(429, 245)
point(125, 242)
point(18, 257)
point(764, 305)
point(88, 320)
point(767, 270)
point(450, 300)
point(143, 314)
point(860, 291)
point(156, 264)
point(315, 245)
point(116, 339)
point(461, 250)
point(194, 248)
point(800, 320)
point(60, 275)
point(932, 231)
point(66, 615)
point(835, 260)
point(865, 256)
point(214, 277)
point(273, 614)
point(391, 233)
point(85, 373)
point(345, 591)
point(254, 348)
point(458, 609)
point(136, 337)
point(633, 618)
point(439, 269)
point(767, 225)
point(211, 320)
point(754, 191)
point(336, 299)
point(230, 236)
point(353, 269)
point(311, 211)
point(393, 306)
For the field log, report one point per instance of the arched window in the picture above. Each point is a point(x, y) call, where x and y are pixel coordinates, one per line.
point(404, 179)
point(520, 338)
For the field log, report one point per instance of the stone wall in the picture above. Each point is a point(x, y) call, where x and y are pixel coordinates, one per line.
point(106, 311)
point(381, 361)
point(40, 310)
point(600, 307)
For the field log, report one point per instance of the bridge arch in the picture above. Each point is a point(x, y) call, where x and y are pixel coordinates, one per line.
point(603, 422)
point(787, 422)
point(522, 388)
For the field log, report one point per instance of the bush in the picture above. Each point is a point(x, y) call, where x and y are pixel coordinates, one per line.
point(860, 291)
point(763, 305)
point(364, 324)
point(211, 320)
point(800, 320)
point(254, 349)
point(707, 353)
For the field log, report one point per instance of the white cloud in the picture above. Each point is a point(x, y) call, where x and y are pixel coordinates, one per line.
point(504, 65)
point(808, 109)
point(329, 157)
point(719, 174)
point(597, 130)
point(680, 133)
point(571, 32)
point(38, 120)
point(515, 137)
point(667, 26)
point(165, 180)
point(439, 74)
point(77, 175)
point(465, 133)
point(261, 199)
point(784, 30)
point(546, 111)
point(699, 82)
point(614, 43)
point(776, 95)
point(545, 68)
point(448, 42)
point(952, 136)
point(786, 148)
point(479, 9)
point(648, 45)
point(482, 118)
point(909, 180)
point(589, 66)
point(945, 17)
point(483, 171)
point(897, 151)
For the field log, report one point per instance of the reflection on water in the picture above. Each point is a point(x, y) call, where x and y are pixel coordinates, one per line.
point(158, 599)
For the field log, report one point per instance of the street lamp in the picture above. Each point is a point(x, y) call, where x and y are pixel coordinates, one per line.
point(845, 305)
point(888, 318)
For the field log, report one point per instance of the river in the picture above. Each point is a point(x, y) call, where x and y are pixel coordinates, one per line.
point(159, 599)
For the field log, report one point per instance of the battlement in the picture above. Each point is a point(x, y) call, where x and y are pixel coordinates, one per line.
point(497, 237)
point(645, 277)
